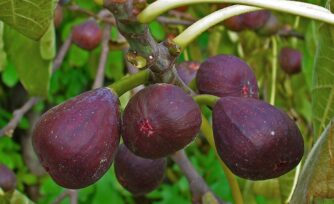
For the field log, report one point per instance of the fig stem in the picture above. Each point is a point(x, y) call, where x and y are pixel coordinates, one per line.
point(274, 71)
point(129, 82)
point(208, 133)
point(297, 8)
point(206, 99)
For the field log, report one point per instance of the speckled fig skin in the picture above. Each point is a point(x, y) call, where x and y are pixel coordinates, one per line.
point(226, 75)
point(256, 19)
point(160, 120)
point(7, 179)
point(76, 141)
point(187, 70)
point(136, 174)
point(290, 60)
point(256, 140)
point(87, 35)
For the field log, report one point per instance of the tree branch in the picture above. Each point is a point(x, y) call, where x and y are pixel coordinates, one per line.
point(174, 21)
point(99, 78)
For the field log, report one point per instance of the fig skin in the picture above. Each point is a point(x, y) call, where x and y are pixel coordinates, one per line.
point(7, 179)
point(87, 35)
point(76, 141)
point(256, 19)
point(187, 70)
point(235, 23)
point(226, 75)
point(256, 140)
point(160, 120)
point(58, 16)
point(136, 174)
point(290, 60)
point(271, 26)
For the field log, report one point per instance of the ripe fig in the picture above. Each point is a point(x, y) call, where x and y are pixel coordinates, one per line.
point(256, 19)
point(136, 174)
point(58, 16)
point(187, 70)
point(256, 140)
point(160, 120)
point(271, 26)
point(290, 60)
point(76, 141)
point(87, 35)
point(7, 179)
point(235, 23)
point(226, 75)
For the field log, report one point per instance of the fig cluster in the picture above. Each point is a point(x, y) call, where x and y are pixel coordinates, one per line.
point(256, 140)
point(76, 141)
point(262, 21)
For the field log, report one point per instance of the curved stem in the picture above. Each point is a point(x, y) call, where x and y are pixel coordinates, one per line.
point(206, 99)
point(193, 31)
point(208, 133)
point(130, 82)
point(297, 8)
point(274, 72)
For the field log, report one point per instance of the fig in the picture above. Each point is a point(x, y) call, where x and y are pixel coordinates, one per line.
point(256, 19)
point(256, 140)
point(136, 174)
point(187, 71)
point(76, 140)
point(58, 16)
point(7, 179)
point(235, 23)
point(87, 35)
point(160, 120)
point(271, 26)
point(290, 60)
point(226, 75)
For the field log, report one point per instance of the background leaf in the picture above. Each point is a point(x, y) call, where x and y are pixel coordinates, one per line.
point(34, 72)
point(30, 17)
point(317, 176)
point(323, 83)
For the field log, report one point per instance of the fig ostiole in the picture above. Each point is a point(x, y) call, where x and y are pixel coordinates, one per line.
point(136, 174)
point(226, 75)
point(76, 141)
point(256, 140)
point(160, 120)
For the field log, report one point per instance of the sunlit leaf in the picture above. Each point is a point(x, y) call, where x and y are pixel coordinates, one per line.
point(323, 83)
point(3, 55)
point(34, 71)
point(317, 176)
point(30, 17)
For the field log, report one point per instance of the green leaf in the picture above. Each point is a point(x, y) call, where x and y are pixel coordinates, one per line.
point(323, 83)
point(157, 31)
point(34, 71)
point(9, 76)
point(3, 55)
point(30, 17)
point(48, 44)
point(317, 176)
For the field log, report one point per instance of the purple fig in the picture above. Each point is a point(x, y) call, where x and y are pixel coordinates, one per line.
point(271, 26)
point(187, 71)
point(235, 23)
point(255, 140)
point(290, 60)
point(136, 174)
point(58, 16)
point(87, 35)
point(76, 141)
point(226, 75)
point(160, 120)
point(7, 179)
point(256, 19)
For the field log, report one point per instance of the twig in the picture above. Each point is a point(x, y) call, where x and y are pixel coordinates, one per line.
point(99, 78)
point(197, 184)
point(20, 112)
point(108, 19)
point(72, 194)
point(174, 21)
